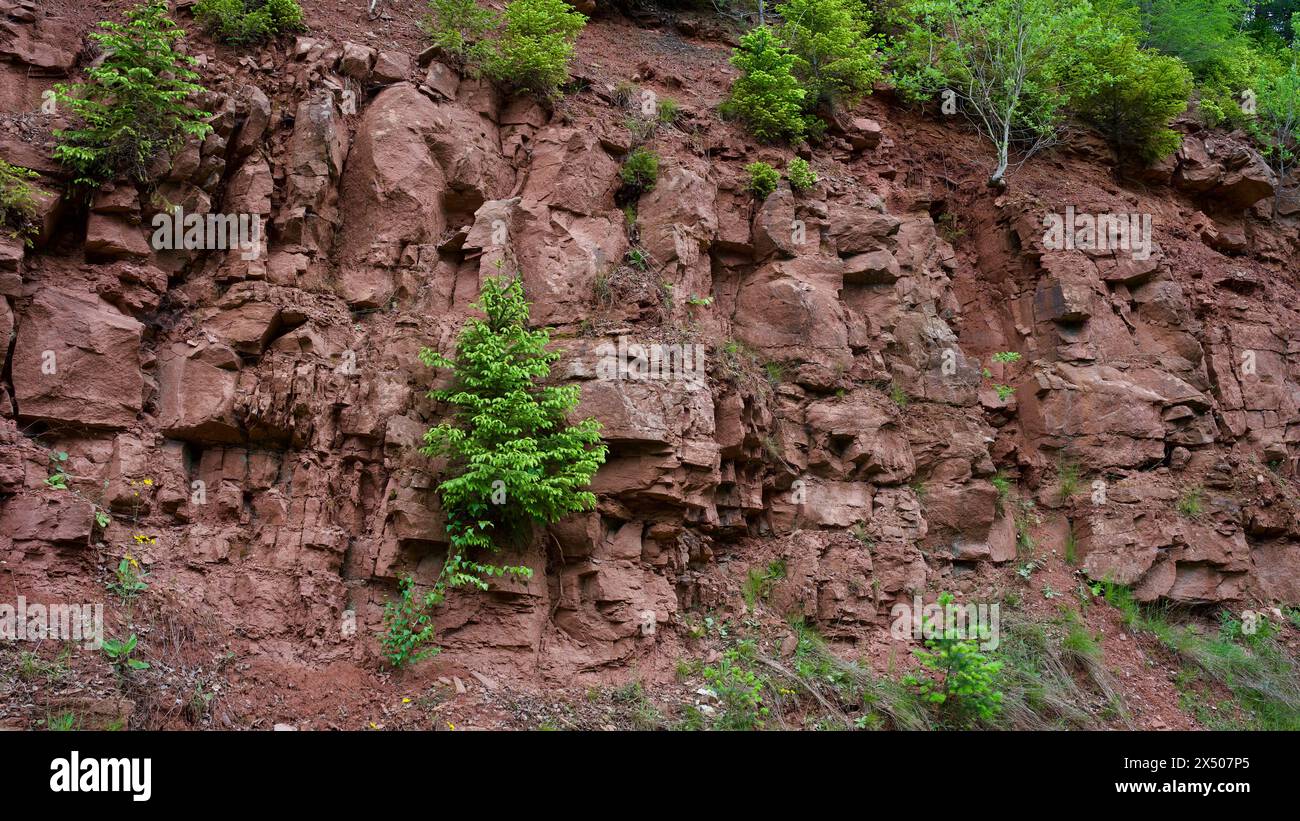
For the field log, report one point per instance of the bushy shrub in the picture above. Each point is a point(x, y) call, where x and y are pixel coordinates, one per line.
point(640, 170)
point(1211, 37)
point(917, 38)
point(248, 21)
point(459, 27)
point(135, 105)
point(763, 179)
point(514, 458)
point(835, 56)
point(17, 201)
point(532, 52)
point(766, 96)
point(800, 174)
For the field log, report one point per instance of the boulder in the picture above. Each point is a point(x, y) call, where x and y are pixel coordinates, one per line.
point(863, 133)
point(110, 236)
point(357, 61)
point(196, 393)
point(55, 517)
point(77, 361)
point(391, 67)
point(392, 192)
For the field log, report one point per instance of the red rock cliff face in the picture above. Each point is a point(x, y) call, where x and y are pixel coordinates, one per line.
point(260, 418)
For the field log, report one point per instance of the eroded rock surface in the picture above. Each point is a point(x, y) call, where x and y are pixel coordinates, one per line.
point(847, 416)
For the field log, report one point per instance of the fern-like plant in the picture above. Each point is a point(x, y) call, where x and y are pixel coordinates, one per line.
point(135, 105)
point(514, 458)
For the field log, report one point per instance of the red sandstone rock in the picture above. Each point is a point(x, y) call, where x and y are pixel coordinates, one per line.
point(77, 361)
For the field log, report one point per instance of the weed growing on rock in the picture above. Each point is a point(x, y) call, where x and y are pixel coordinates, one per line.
point(61, 723)
point(1003, 486)
point(1191, 502)
point(1039, 679)
point(899, 396)
point(32, 667)
point(1067, 481)
point(800, 174)
point(1260, 672)
point(640, 129)
point(129, 579)
point(668, 110)
point(762, 179)
point(759, 582)
point(58, 479)
point(409, 626)
point(121, 654)
point(640, 170)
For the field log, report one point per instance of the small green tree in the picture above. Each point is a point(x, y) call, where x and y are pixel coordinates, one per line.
point(835, 56)
point(1278, 125)
point(459, 27)
point(1003, 59)
point(247, 22)
point(135, 105)
point(766, 96)
point(738, 688)
point(514, 458)
point(958, 679)
point(532, 53)
point(18, 201)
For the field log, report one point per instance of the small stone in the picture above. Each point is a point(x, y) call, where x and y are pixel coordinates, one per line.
point(391, 67)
